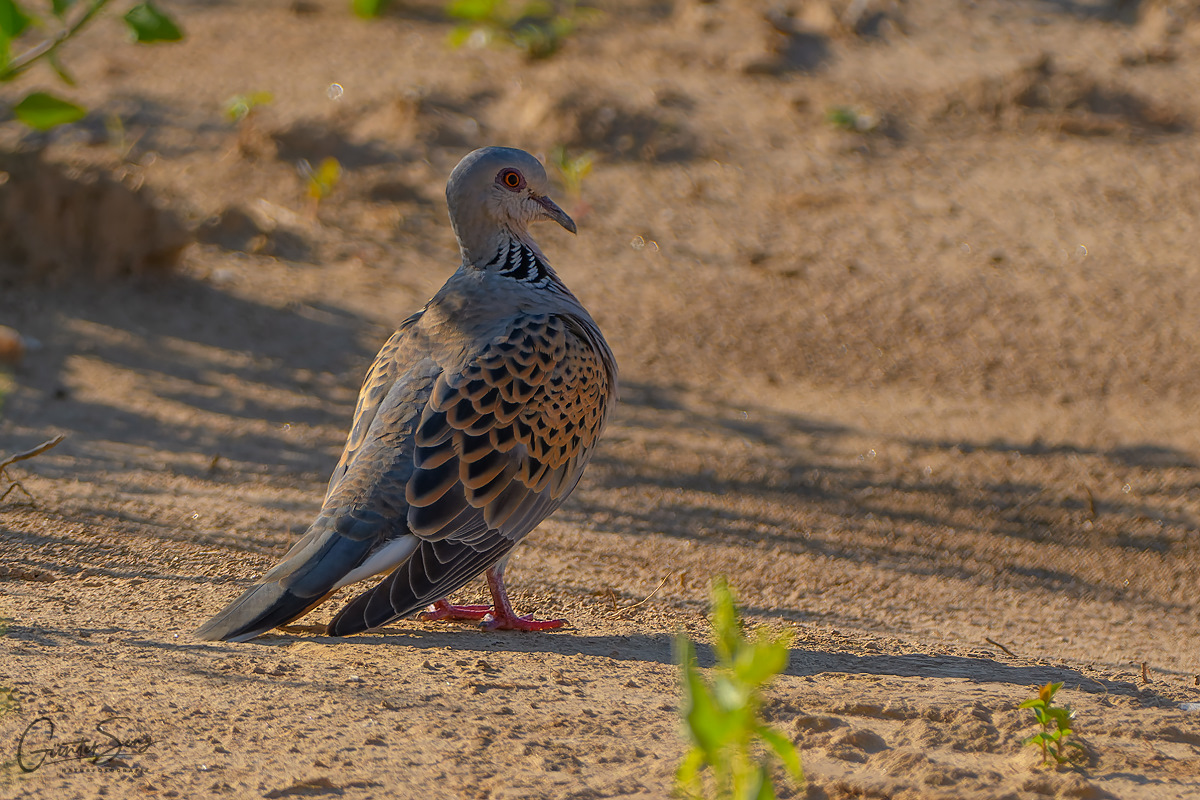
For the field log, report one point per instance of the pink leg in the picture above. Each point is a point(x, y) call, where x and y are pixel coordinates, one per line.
point(497, 617)
point(504, 618)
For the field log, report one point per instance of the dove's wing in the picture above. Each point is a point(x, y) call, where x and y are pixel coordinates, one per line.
point(500, 444)
point(443, 473)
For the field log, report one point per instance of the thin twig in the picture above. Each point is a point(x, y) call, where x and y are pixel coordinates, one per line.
point(647, 597)
point(997, 644)
point(612, 598)
point(1091, 501)
point(1029, 501)
point(37, 451)
point(26, 60)
point(17, 485)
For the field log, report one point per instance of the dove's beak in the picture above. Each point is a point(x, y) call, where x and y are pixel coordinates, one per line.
point(554, 212)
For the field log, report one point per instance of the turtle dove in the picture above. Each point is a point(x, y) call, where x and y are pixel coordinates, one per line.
point(474, 423)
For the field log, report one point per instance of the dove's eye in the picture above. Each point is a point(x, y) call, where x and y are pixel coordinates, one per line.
point(510, 179)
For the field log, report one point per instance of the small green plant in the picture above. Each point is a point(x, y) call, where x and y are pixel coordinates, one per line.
point(66, 18)
point(369, 9)
point(241, 106)
point(722, 717)
point(320, 181)
point(539, 28)
point(851, 119)
point(573, 169)
point(1056, 727)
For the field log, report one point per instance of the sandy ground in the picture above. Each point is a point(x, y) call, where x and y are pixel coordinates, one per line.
point(925, 392)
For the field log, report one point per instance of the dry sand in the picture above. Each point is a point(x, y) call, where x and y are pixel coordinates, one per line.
point(925, 393)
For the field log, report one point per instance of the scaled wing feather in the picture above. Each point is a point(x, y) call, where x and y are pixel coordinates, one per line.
point(499, 446)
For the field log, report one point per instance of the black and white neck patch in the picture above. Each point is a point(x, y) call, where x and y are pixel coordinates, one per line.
point(519, 261)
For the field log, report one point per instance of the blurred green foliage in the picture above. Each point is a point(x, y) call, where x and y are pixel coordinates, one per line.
point(240, 106)
point(321, 180)
point(722, 716)
point(368, 9)
point(538, 28)
point(44, 111)
point(851, 119)
point(151, 25)
point(27, 37)
point(573, 169)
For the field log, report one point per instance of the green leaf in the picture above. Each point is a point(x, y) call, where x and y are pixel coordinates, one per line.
point(323, 179)
point(13, 21)
point(43, 111)
point(61, 7)
point(151, 25)
point(730, 695)
point(783, 748)
point(688, 774)
point(369, 9)
point(459, 35)
point(239, 106)
point(538, 41)
point(473, 10)
point(1048, 691)
point(1034, 702)
point(761, 661)
point(1061, 715)
point(842, 117)
point(759, 787)
point(723, 716)
point(727, 628)
point(704, 718)
point(537, 9)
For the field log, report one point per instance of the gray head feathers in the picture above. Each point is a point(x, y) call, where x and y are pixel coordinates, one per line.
point(494, 194)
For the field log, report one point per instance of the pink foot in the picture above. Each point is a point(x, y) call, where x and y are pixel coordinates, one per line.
point(504, 618)
point(497, 617)
point(444, 611)
point(512, 622)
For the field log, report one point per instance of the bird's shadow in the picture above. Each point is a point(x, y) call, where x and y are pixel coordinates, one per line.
point(657, 648)
point(660, 648)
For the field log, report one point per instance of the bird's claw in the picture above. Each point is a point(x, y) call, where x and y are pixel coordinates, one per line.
point(442, 611)
point(525, 623)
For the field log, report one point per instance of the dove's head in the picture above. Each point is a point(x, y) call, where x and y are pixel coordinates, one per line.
point(498, 190)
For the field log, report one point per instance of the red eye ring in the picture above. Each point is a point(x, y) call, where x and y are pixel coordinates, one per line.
point(511, 179)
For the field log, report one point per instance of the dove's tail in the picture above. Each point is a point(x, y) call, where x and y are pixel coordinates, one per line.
point(332, 554)
point(259, 609)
